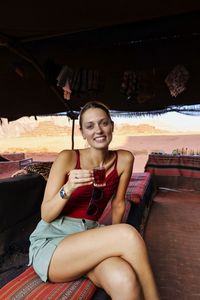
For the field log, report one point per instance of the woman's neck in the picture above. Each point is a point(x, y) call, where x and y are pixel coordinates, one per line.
point(98, 157)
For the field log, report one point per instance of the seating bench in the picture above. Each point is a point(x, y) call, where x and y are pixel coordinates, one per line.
point(28, 285)
point(140, 193)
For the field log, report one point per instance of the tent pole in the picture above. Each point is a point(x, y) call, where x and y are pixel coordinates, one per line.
point(72, 135)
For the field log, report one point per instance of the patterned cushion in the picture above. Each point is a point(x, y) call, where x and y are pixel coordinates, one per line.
point(29, 286)
point(41, 168)
point(138, 186)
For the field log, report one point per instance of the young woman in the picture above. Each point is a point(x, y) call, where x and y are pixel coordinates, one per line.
point(69, 242)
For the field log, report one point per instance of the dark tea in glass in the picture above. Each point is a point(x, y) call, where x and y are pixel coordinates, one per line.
point(99, 176)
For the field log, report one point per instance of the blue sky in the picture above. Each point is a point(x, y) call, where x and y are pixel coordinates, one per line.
point(172, 121)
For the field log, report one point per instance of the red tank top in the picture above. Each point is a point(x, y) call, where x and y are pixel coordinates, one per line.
point(78, 202)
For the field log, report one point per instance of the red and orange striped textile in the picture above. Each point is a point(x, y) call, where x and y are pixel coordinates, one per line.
point(29, 286)
point(174, 165)
point(138, 186)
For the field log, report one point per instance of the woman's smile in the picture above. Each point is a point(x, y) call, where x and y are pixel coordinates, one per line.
point(101, 138)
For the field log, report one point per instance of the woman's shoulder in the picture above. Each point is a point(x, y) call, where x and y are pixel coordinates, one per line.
point(125, 161)
point(65, 161)
point(125, 155)
point(67, 155)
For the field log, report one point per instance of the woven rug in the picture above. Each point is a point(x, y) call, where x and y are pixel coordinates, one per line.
point(172, 237)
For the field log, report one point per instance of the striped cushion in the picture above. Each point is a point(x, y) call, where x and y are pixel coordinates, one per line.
point(29, 286)
point(174, 165)
point(138, 186)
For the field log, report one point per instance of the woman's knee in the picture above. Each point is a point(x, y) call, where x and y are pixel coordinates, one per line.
point(124, 277)
point(129, 235)
point(123, 282)
point(117, 277)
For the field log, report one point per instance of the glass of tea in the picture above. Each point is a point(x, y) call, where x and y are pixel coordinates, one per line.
point(99, 176)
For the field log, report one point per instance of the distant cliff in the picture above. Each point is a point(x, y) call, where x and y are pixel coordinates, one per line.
point(61, 125)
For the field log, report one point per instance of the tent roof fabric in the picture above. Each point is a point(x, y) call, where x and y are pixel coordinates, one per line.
point(37, 39)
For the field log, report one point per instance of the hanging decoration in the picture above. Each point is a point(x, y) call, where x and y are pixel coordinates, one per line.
point(86, 82)
point(129, 84)
point(138, 86)
point(177, 79)
point(82, 82)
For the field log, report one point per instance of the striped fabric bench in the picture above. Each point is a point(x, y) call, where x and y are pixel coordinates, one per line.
point(29, 286)
point(138, 186)
point(140, 193)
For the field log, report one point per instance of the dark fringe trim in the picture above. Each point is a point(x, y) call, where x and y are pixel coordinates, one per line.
point(193, 110)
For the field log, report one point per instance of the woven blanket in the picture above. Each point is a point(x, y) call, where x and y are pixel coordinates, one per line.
point(174, 165)
point(29, 286)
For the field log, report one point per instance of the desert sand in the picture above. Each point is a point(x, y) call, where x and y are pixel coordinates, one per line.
point(44, 137)
point(46, 148)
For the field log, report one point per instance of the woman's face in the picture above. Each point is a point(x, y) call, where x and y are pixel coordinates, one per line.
point(97, 128)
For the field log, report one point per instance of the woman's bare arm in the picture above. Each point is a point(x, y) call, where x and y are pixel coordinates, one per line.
point(125, 167)
point(62, 168)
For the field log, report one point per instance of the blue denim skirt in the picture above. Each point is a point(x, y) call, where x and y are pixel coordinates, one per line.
point(46, 237)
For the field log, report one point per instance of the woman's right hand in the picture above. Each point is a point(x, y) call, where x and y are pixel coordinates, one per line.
point(77, 178)
point(63, 170)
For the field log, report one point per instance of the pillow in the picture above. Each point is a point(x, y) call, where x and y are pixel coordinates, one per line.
point(41, 168)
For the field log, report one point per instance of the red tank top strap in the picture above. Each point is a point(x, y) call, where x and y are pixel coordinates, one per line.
point(78, 165)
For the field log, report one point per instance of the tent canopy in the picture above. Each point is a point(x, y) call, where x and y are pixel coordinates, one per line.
point(106, 41)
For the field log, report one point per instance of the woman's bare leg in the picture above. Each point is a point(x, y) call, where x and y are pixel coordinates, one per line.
point(81, 252)
point(117, 278)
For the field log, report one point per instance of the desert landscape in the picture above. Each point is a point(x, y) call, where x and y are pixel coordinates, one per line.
point(43, 138)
